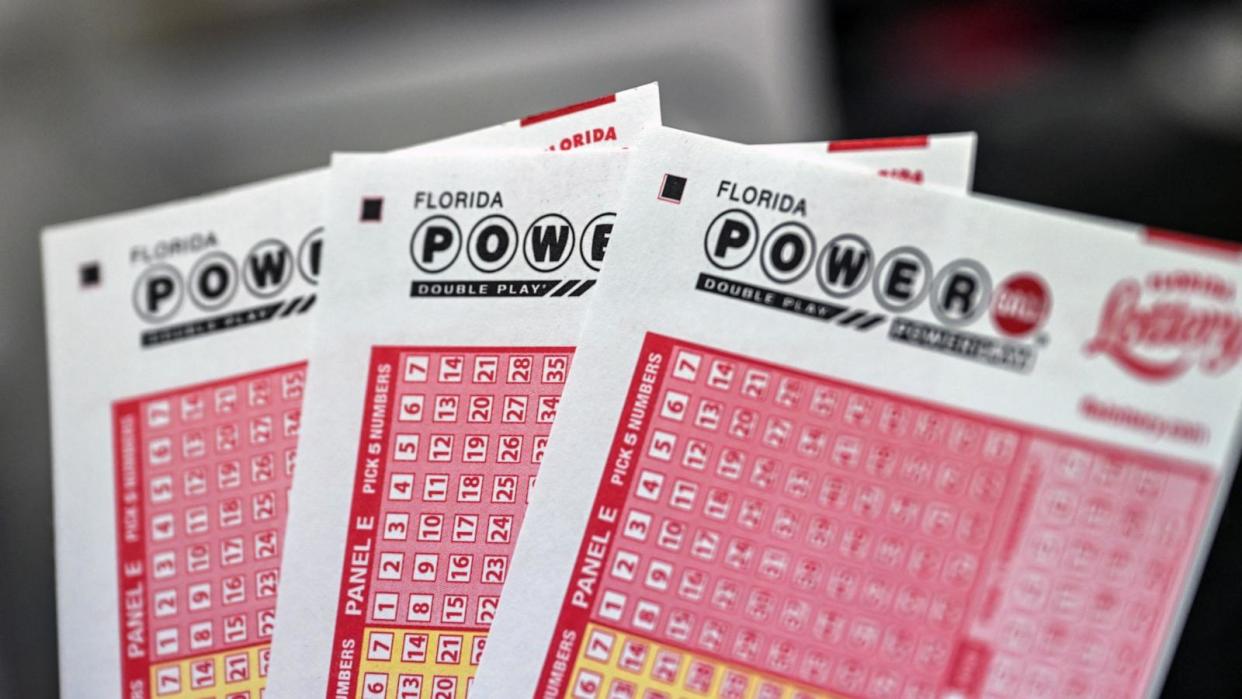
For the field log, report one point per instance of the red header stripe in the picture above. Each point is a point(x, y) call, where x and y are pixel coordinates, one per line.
point(350, 629)
point(1195, 243)
point(569, 109)
point(878, 143)
point(126, 436)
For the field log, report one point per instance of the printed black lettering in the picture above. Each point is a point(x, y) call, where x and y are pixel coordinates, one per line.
point(787, 252)
point(599, 240)
point(213, 280)
point(845, 265)
point(959, 292)
point(158, 289)
point(733, 234)
point(545, 239)
point(900, 282)
point(438, 239)
point(268, 267)
point(492, 244)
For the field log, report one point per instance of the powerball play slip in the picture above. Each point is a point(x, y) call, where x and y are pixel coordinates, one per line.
point(828, 436)
point(177, 339)
point(451, 306)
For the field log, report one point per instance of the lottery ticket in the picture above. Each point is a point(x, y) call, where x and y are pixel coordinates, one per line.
point(491, 258)
point(832, 436)
point(450, 307)
point(177, 339)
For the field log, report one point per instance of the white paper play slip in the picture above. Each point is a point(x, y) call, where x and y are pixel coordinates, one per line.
point(177, 336)
point(449, 311)
point(831, 436)
point(476, 269)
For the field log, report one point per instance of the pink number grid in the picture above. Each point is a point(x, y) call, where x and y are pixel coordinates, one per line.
point(214, 467)
point(468, 429)
point(875, 546)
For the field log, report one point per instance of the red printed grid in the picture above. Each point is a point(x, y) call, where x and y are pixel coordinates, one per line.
point(1093, 575)
point(868, 545)
point(463, 432)
point(202, 480)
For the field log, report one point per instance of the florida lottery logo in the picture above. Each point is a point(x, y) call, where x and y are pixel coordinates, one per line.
point(1170, 322)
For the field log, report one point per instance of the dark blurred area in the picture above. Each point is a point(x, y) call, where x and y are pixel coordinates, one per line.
point(1130, 110)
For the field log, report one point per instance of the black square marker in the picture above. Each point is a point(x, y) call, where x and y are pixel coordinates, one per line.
point(372, 208)
point(671, 188)
point(88, 275)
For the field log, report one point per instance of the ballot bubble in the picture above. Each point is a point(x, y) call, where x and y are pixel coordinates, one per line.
point(731, 239)
point(436, 243)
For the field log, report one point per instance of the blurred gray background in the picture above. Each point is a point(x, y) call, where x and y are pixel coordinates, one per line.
point(1131, 110)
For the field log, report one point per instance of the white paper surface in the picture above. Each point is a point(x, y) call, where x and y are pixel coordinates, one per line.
point(942, 160)
point(802, 498)
point(98, 275)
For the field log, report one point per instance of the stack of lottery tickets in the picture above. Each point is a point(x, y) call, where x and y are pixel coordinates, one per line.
point(582, 406)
